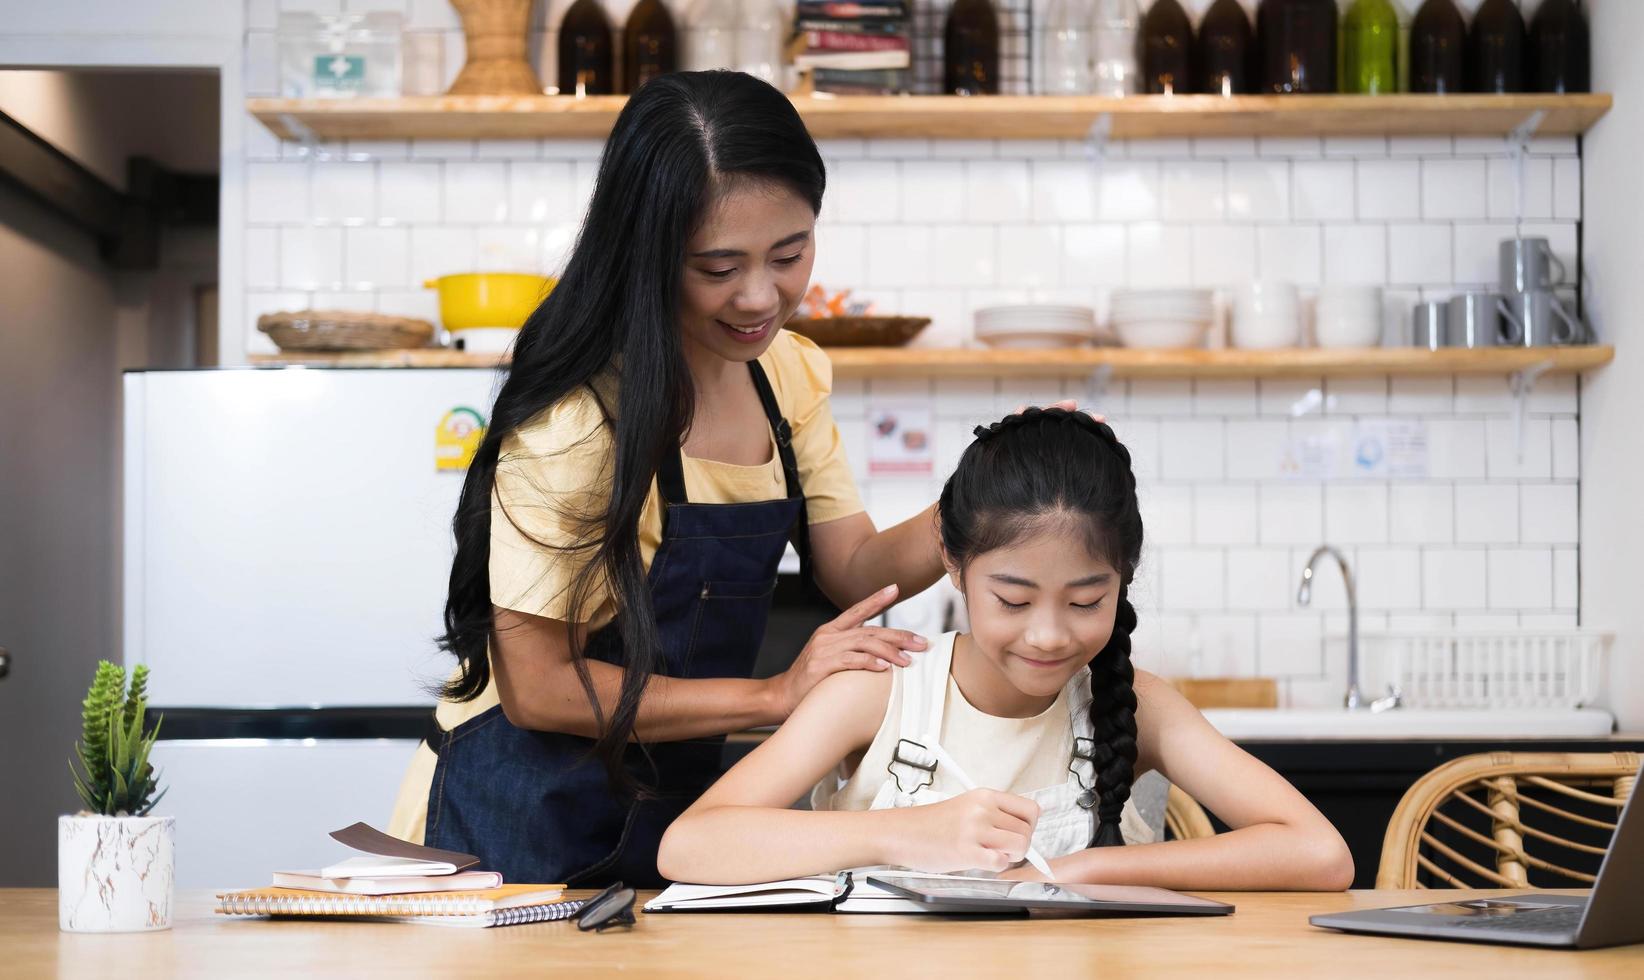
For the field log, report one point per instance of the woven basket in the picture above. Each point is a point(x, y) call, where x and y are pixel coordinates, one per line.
point(860, 331)
point(343, 330)
point(495, 35)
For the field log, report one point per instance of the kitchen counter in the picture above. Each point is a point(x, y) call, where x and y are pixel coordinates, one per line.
point(1267, 936)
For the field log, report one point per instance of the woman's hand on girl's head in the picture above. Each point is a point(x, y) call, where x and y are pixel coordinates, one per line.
point(846, 644)
point(983, 828)
point(1067, 404)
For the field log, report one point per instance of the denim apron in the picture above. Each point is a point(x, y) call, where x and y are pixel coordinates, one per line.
point(535, 805)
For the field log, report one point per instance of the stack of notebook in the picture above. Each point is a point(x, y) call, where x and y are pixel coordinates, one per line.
point(399, 881)
point(855, 48)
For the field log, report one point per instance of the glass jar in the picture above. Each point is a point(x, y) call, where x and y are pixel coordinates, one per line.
point(1067, 49)
point(1117, 30)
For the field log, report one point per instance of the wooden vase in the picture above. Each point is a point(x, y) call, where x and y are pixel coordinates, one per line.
point(495, 31)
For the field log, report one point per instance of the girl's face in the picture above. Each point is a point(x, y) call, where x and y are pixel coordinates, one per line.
point(1040, 608)
point(746, 269)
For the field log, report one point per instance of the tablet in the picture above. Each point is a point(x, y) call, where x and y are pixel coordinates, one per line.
point(1005, 896)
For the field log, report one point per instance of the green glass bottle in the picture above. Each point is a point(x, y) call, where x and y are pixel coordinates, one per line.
point(1369, 48)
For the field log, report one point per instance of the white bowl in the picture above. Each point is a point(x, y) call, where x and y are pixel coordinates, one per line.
point(1032, 340)
point(1036, 319)
point(1162, 333)
point(1348, 330)
point(1162, 299)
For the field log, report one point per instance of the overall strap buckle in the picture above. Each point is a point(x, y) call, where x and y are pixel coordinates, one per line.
point(929, 769)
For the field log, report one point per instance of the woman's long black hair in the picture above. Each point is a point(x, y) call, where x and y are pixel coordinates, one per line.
point(679, 141)
point(1031, 472)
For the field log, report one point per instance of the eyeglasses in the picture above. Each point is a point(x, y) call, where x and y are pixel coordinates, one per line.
point(612, 907)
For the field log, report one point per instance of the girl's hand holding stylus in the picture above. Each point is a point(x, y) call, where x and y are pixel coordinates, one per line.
point(846, 644)
point(982, 828)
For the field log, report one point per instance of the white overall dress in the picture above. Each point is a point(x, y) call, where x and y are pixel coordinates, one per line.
point(1067, 811)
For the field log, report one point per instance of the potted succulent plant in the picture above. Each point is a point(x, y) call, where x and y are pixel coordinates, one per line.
point(115, 862)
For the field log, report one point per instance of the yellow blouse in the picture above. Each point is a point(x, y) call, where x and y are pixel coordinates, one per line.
point(553, 482)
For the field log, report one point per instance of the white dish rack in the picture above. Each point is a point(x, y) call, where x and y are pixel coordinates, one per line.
point(1495, 669)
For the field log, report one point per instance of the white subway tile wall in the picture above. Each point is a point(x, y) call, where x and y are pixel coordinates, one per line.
point(1486, 536)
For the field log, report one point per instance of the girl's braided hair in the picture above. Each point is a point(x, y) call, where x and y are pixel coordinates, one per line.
point(1039, 468)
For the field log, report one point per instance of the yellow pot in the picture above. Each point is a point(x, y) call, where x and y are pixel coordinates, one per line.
point(488, 299)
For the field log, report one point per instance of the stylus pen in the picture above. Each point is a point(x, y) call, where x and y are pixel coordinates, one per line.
point(963, 779)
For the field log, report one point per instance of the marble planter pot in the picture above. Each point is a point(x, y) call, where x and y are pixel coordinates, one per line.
point(114, 874)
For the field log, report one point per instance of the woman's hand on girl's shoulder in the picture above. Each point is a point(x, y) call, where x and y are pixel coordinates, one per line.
point(846, 643)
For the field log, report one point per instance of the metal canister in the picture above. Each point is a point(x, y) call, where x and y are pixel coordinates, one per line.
point(1427, 326)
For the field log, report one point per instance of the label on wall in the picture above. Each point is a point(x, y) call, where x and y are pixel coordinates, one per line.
point(457, 438)
point(900, 441)
point(1369, 449)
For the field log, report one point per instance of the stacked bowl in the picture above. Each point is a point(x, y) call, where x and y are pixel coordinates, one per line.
point(1162, 317)
point(1035, 326)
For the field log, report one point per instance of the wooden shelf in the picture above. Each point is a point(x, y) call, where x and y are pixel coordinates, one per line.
point(951, 117)
point(902, 362)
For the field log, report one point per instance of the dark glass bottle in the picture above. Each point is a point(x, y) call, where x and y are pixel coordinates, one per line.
point(1495, 48)
point(1224, 49)
point(585, 53)
point(1560, 58)
point(970, 49)
point(1438, 38)
point(1167, 50)
point(1296, 45)
point(649, 44)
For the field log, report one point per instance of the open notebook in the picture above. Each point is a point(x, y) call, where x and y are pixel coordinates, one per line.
point(846, 891)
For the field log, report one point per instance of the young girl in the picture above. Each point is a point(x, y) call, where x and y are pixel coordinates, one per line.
point(1038, 704)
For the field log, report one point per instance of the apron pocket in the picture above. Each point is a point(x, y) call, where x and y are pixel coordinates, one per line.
point(738, 590)
point(729, 620)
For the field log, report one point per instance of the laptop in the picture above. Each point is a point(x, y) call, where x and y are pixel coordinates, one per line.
point(1605, 917)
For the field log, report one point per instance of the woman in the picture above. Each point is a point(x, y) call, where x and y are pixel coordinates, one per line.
point(656, 445)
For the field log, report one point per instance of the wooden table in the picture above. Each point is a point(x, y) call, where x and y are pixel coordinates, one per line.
point(1267, 937)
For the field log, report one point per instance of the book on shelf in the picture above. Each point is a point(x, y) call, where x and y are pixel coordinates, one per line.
point(819, 41)
point(870, 27)
point(885, 81)
point(854, 60)
point(807, 9)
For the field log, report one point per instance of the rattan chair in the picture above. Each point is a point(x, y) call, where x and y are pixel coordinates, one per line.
point(1507, 820)
point(1185, 819)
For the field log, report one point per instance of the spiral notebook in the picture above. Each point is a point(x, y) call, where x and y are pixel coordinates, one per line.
point(504, 905)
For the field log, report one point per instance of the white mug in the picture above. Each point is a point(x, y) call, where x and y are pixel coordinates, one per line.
point(1266, 316)
point(1348, 316)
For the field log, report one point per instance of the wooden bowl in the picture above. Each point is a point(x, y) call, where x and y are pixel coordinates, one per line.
point(344, 330)
point(860, 331)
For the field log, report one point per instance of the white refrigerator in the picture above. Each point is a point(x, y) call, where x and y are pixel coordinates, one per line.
point(286, 546)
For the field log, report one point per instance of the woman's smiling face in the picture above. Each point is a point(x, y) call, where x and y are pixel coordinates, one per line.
point(746, 269)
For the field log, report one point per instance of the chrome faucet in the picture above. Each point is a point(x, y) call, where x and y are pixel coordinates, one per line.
point(1354, 699)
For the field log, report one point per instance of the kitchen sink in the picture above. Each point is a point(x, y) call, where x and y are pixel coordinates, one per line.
point(1405, 723)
